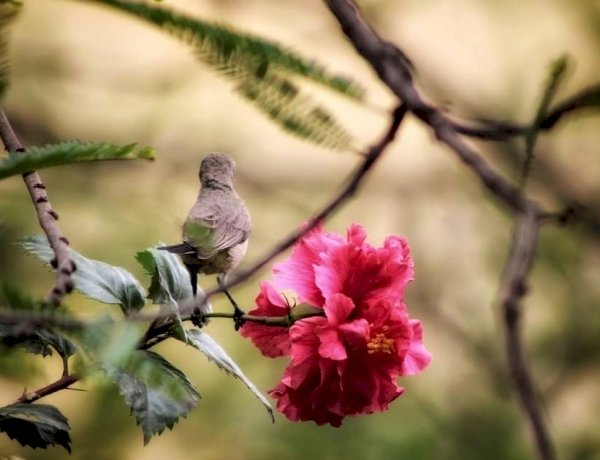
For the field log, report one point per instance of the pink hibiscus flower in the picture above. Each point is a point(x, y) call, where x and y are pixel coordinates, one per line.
point(345, 362)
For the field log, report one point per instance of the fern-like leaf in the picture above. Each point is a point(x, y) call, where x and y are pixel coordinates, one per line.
point(69, 152)
point(260, 69)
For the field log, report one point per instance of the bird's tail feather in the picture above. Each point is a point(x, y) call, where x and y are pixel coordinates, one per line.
point(182, 248)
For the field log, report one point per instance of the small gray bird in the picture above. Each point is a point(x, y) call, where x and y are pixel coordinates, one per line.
point(216, 231)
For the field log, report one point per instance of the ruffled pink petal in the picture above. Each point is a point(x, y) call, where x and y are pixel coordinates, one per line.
point(271, 341)
point(304, 349)
point(361, 271)
point(315, 399)
point(355, 334)
point(330, 346)
point(417, 357)
point(338, 308)
point(386, 392)
point(297, 272)
point(347, 362)
point(356, 234)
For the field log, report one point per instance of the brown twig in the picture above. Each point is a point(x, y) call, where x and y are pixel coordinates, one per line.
point(61, 384)
point(512, 291)
point(391, 67)
point(47, 218)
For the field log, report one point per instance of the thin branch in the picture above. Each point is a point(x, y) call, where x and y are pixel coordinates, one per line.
point(61, 384)
point(503, 130)
point(30, 321)
point(512, 291)
point(277, 321)
point(47, 218)
point(392, 68)
point(492, 131)
point(27, 322)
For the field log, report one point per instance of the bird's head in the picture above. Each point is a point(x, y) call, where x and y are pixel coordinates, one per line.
point(217, 169)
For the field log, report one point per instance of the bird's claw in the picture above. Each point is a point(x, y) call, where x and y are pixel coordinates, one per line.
point(198, 318)
point(238, 318)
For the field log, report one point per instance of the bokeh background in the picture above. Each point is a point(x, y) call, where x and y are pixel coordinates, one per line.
point(83, 71)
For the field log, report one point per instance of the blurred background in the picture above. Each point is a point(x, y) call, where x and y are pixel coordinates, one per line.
point(84, 71)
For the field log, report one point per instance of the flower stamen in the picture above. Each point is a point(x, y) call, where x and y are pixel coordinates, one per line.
point(381, 343)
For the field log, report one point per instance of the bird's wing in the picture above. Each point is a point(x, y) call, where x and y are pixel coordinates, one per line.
point(182, 248)
point(220, 226)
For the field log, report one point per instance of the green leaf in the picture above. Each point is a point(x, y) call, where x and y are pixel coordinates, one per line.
point(97, 280)
point(63, 346)
point(109, 343)
point(170, 285)
point(157, 393)
point(35, 425)
point(260, 70)
point(35, 338)
point(170, 279)
point(69, 152)
point(215, 353)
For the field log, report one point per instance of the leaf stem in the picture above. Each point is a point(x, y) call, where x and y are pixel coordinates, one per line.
point(281, 321)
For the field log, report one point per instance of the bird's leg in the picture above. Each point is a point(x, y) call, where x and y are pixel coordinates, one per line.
point(197, 319)
point(238, 313)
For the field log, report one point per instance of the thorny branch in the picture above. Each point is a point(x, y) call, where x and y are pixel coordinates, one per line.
point(61, 384)
point(47, 218)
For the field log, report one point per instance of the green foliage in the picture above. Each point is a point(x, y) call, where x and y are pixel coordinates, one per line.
point(97, 280)
point(157, 393)
point(215, 353)
point(106, 343)
point(36, 340)
point(69, 152)
point(259, 69)
point(170, 280)
point(170, 285)
point(35, 425)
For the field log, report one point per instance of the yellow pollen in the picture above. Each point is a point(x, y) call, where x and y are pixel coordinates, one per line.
point(380, 343)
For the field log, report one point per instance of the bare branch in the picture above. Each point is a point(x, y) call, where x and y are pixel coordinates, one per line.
point(47, 218)
point(491, 131)
point(392, 68)
point(64, 382)
point(513, 289)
